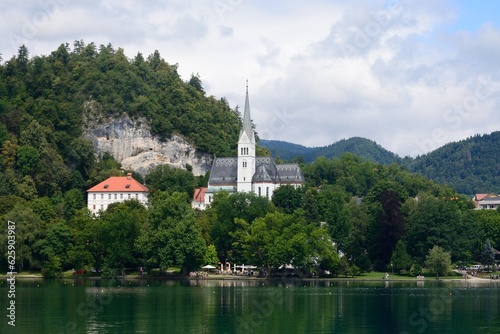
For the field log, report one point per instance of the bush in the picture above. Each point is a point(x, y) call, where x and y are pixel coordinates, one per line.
point(52, 267)
point(415, 269)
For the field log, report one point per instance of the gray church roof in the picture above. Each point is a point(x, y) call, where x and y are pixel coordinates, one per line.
point(265, 170)
point(290, 173)
point(224, 171)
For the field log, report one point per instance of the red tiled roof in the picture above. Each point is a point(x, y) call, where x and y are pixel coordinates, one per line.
point(199, 194)
point(119, 184)
point(480, 197)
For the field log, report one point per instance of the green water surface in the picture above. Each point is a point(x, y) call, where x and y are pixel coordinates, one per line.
point(251, 306)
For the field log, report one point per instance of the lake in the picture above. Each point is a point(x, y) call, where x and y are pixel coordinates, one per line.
point(252, 306)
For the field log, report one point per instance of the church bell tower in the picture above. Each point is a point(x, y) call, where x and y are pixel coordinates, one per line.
point(246, 151)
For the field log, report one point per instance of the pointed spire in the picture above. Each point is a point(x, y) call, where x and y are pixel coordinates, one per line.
point(247, 121)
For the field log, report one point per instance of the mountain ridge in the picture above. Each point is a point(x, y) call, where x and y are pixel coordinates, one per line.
point(470, 165)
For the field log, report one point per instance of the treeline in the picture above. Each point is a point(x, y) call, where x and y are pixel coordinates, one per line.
point(470, 166)
point(352, 216)
point(361, 147)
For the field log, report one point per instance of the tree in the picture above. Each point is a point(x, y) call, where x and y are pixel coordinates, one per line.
point(211, 256)
point(487, 255)
point(55, 249)
point(440, 221)
point(387, 228)
point(29, 229)
point(438, 261)
point(172, 236)
point(119, 228)
point(400, 260)
point(166, 178)
point(288, 198)
point(224, 211)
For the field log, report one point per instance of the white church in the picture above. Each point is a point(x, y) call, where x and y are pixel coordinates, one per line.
point(247, 172)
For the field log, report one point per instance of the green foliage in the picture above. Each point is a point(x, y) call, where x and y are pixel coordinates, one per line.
point(416, 269)
point(226, 209)
point(119, 227)
point(467, 165)
point(211, 256)
point(172, 236)
point(288, 198)
point(170, 180)
point(400, 260)
point(361, 147)
point(52, 267)
point(438, 261)
point(385, 201)
point(279, 239)
point(487, 255)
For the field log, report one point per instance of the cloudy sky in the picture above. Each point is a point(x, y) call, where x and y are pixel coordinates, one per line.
point(410, 75)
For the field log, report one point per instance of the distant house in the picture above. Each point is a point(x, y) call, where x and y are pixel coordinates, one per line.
point(115, 189)
point(199, 198)
point(486, 201)
point(248, 172)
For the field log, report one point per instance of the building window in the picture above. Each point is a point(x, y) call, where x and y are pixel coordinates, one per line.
point(128, 196)
point(102, 207)
point(259, 192)
point(244, 164)
point(115, 196)
point(209, 199)
point(109, 196)
point(93, 207)
point(94, 196)
point(121, 196)
point(137, 196)
point(102, 196)
point(267, 192)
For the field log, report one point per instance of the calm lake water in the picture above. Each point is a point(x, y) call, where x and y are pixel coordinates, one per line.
point(252, 306)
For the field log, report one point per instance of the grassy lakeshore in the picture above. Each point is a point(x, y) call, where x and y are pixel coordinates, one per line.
point(175, 273)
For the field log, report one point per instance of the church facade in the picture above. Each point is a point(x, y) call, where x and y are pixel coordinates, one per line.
point(247, 172)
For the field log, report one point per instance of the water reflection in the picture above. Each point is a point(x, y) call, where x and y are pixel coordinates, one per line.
point(256, 306)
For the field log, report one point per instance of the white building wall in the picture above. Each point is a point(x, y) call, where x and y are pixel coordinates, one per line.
point(101, 200)
point(265, 189)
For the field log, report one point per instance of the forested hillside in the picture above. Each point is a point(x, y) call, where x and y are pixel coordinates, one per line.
point(471, 165)
point(361, 147)
point(45, 101)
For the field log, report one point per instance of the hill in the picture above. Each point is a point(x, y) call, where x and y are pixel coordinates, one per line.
point(361, 147)
point(470, 166)
point(46, 100)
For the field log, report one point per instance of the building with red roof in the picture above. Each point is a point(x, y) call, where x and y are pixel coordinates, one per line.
point(116, 189)
point(486, 201)
point(199, 198)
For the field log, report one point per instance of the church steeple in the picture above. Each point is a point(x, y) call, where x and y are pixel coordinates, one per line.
point(247, 120)
point(246, 151)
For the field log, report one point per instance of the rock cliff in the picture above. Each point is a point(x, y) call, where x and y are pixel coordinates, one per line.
point(131, 143)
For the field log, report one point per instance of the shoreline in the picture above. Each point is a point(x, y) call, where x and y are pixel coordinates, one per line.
point(470, 278)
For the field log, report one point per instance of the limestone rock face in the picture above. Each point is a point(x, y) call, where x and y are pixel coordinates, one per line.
point(131, 143)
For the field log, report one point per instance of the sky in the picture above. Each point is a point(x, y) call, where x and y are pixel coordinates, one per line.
point(410, 75)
